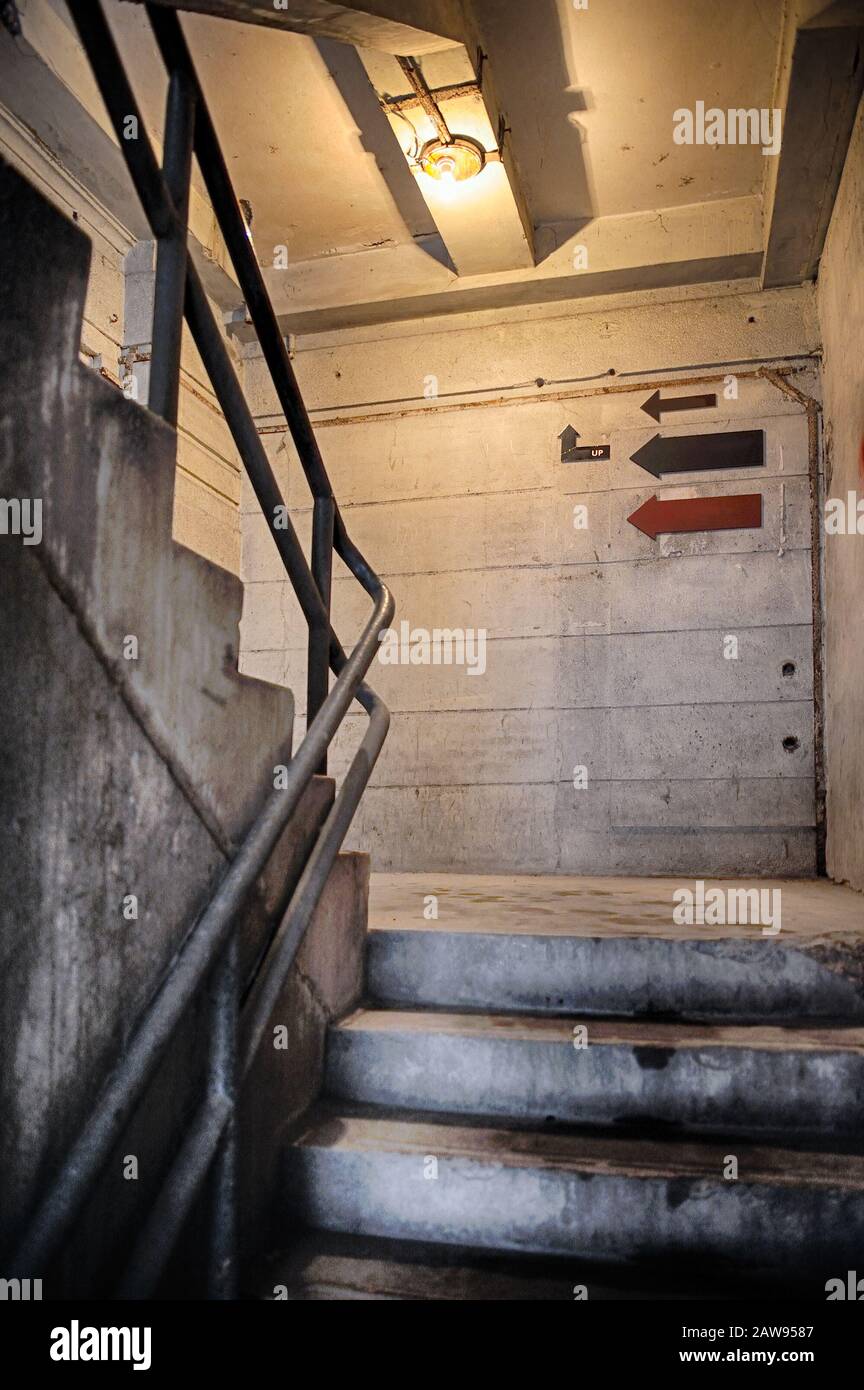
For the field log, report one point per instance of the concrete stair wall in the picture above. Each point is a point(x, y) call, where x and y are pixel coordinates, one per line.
point(104, 471)
point(126, 778)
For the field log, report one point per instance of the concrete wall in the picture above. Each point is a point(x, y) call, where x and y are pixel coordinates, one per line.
point(207, 490)
point(605, 648)
point(841, 315)
point(53, 130)
point(124, 777)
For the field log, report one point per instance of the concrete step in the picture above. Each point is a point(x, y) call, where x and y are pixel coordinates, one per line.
point(324, 1266)
point(732, 1080)
point(594, 1198)
point(648, 977)
point(606, 976)
point(611, 947)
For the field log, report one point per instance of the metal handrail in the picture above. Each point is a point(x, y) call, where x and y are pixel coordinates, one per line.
point(209, 953)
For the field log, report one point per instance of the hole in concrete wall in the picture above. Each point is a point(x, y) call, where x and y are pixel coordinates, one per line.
point(788, 668)
point(790, 743)
point(752, 318)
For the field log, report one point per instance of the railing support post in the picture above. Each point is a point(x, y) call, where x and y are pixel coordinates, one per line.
point(172, 251)
point(222, 1080)
point(318, 666)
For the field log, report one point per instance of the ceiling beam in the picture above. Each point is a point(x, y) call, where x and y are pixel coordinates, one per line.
point(719, 240)
point(715, 270)
point(375, 134)
point(826, 79)
point(406, 27)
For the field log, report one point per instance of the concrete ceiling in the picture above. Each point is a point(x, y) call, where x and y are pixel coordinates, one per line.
point(291, 144)
point(590, 95)
point(587, 96)
point(289, 140)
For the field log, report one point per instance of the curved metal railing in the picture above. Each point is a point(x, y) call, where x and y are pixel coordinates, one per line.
point(208, 957)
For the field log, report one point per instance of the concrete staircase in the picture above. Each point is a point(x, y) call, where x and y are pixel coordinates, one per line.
point(127, 770)
point(483, 1108)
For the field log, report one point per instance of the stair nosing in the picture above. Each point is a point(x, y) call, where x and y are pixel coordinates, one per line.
point(549, 1029)
point(689, 1158)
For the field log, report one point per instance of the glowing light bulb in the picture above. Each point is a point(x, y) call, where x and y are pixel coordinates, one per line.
point(462, 158)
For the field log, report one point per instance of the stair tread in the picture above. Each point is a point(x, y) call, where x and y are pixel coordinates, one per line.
point(386, 1132)
point(814, 910)
point(323, 1265)
point(558, 1029)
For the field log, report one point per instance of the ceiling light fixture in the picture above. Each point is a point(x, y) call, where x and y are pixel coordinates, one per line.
point(447, 158)
point(452, 160)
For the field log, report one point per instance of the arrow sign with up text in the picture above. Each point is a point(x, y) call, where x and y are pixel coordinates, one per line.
point(655, 407)
point(574, 452)
point(742, 513)
point(695, 453)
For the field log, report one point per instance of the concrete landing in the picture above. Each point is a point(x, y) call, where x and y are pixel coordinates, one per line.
point(813, 910)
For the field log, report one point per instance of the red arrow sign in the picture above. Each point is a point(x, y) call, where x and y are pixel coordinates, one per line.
point(743, 512)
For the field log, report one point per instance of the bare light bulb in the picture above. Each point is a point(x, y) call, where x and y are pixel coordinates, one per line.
point(460, 158)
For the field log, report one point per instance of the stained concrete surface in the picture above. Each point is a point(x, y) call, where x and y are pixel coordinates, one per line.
point(610, 946)
point(125, 777)
point(813, 910)
point(457, 1112)
point(515, 1028)
point(789, 1081)
point(326, 1266)
point(580, 1195)
point(53, 130)
point(336, 1130)
point(104, 469)
point(605, 649)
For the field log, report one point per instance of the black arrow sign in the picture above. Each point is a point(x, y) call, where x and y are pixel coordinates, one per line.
point(573, 452)
point(568, 437)
point(696, 453)
point(655, 407)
